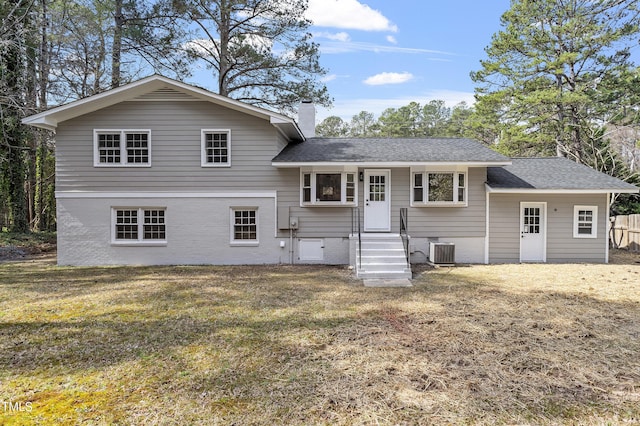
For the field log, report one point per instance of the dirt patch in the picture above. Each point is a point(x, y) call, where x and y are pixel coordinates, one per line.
point(15, 247)
point(624, 257)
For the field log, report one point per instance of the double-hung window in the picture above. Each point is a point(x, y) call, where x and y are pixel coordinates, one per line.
point(120, 148)
point(139, 225)
point(216, 148)
point(330, 188)
point(585, 221)
point(436, 188)
point(244, 226)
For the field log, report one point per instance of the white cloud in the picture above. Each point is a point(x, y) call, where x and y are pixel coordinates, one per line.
point(388, 78)
point(391, 39)
point(350, 47)
point(349, 14)
point(341, 36)
point(328, 78)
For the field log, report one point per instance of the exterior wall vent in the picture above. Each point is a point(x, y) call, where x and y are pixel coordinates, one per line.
point(442, 253)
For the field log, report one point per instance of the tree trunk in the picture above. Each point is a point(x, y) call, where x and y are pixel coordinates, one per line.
point(13, 74)
point(40, 136)
point(225, 30)
point(116, 51)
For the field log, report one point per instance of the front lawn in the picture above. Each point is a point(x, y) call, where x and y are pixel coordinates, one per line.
point(514, 344)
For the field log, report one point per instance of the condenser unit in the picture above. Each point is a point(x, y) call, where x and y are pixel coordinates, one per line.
point(442, 253)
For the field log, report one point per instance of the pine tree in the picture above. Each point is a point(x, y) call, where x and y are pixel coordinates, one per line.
point(540, 86)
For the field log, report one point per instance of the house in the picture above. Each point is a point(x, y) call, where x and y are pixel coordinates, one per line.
point(161, 172)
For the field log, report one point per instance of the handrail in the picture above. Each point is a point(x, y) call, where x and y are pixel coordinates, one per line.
point(403, 232)
point(355, 226)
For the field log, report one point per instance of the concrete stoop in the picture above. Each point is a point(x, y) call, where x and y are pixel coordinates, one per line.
point(383, 260)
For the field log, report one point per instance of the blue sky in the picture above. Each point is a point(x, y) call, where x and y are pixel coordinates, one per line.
point(383, 53)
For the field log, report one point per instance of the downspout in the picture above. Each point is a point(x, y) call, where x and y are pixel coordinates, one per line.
point(606, 239)
point(486, 231)
point(290, 246)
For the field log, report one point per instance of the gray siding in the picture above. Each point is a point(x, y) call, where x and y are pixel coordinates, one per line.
point(175, 143)
point(504, 228)
point(175, 166)
point(452, 222)
point(426, 222)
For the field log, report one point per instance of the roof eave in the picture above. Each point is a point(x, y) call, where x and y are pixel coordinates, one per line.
point(288, 128)
point(560, 190)
point(297, 164)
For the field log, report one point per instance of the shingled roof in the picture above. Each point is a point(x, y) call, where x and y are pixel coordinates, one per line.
point(552, 173)
point(382, 150)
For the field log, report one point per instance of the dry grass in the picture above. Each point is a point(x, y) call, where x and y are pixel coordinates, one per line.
point(511, 344)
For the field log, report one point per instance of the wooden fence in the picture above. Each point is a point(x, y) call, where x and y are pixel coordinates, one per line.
point(625, 232)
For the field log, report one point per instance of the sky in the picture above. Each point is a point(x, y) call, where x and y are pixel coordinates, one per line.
point(387, 53)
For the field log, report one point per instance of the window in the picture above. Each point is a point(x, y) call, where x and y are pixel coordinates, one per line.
point(328, 188)
point(216, 148)
point(585, 221)
point(418, 188)
point(117, 148)
point(244, 226)
point(139, 225)
point(439, 188)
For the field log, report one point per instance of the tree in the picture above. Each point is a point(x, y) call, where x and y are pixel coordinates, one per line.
point(401, 122)
point(145, 35)
point(260, 51)
point(458, 123)
point(363, 125)
point(434, 118)
point(332, 127)
point(97, 45)
point(15, 16)
point(542, 81)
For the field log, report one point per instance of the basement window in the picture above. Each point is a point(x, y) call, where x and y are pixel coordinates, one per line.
point(138, 226)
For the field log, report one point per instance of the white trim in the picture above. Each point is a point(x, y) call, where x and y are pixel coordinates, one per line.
point(123, 147)
point(203, 150)
point(425, 188)
point(140, 224)
point(232, 224)
point(487, 230)
point(371, 164)
point(559, 191)
point(343, 188)
point(594, 221)
point(544, 237)
point(95, 194)
point(388, 194)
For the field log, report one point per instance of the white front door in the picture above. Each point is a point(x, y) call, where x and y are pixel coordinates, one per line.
point(533, 233)
point(377, 200)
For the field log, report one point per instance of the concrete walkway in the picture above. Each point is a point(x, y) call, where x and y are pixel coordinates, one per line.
point(402, 282)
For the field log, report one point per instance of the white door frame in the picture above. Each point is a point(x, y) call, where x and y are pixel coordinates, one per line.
point(381, 222)
point(542, 255)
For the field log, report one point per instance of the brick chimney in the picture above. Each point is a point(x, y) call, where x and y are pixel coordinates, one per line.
point(307, 119)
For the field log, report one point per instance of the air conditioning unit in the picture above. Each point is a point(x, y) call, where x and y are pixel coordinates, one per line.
point(442, 253)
